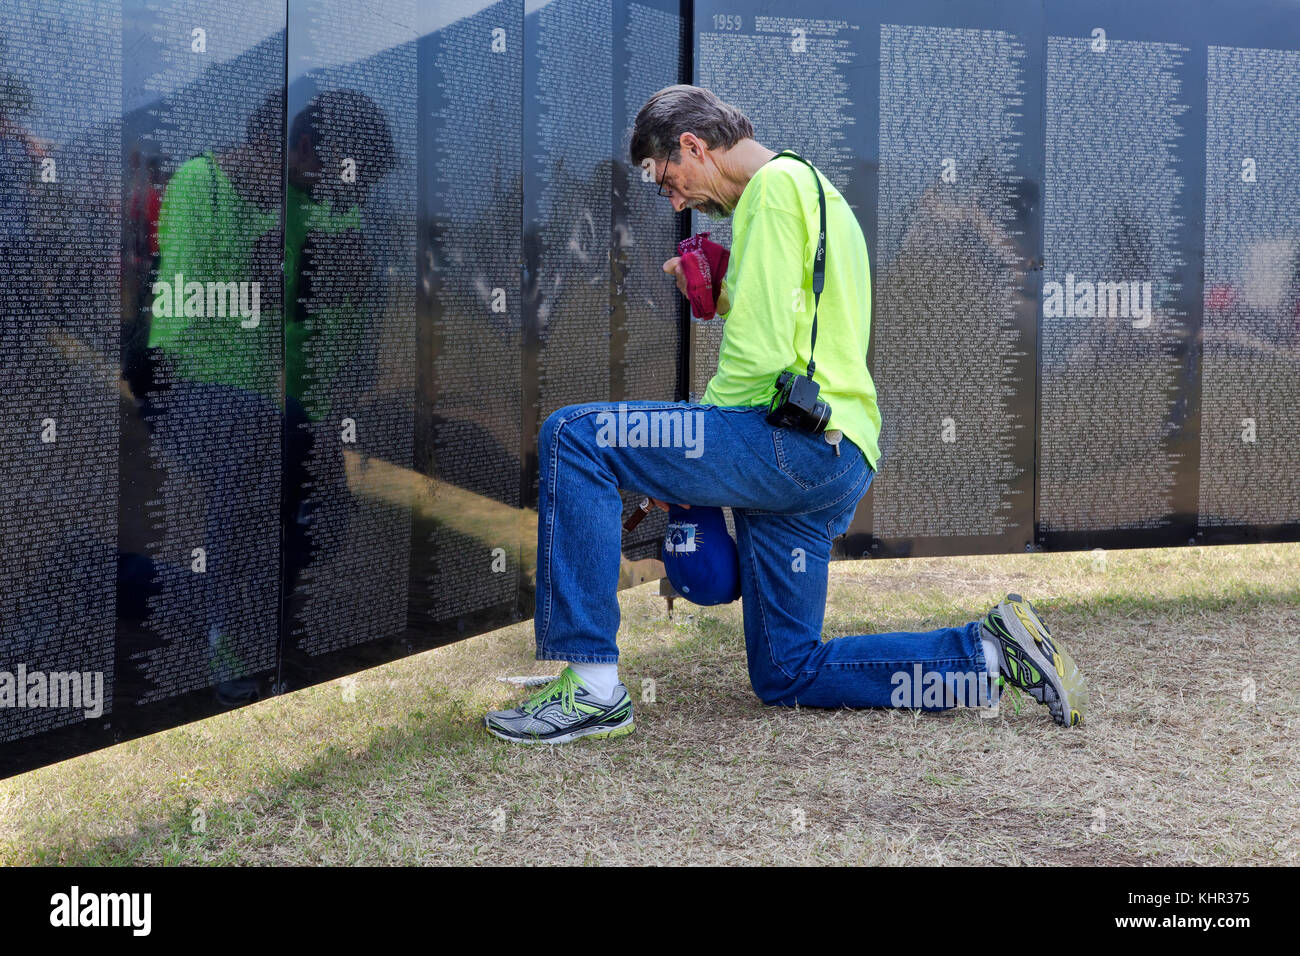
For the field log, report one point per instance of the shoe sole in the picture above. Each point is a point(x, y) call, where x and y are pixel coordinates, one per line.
point(593, 733)
point(1036, 640)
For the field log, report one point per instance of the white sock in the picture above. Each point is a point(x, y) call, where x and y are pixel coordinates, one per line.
point(992, 657)
point(601, 679)
point(993, 660)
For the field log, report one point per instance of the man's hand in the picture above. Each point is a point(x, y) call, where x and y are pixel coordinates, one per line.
point(674, 268)
point(662, 506)
point(642, 510)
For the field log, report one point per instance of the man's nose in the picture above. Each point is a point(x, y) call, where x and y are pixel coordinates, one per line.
point(678, 203)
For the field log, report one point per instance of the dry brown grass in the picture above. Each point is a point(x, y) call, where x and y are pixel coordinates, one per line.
point(1174, 766)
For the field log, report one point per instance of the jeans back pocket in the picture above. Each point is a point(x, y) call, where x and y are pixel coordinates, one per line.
point(839, 524)
point(809, 460)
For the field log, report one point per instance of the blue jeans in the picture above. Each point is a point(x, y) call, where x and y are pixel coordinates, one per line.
point(787, 490)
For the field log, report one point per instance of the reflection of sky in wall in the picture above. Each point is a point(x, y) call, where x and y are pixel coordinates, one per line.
point(431, 17)
point(360, 46)
point(33, 24)
point(436, 16)
point(209, 14)
point(58, 77)
point(439, 15)
point(379, 67)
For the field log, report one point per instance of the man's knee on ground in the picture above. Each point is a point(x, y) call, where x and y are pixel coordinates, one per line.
point(775, 684)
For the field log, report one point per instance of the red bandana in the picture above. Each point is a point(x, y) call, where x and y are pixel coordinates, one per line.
point(705, 263)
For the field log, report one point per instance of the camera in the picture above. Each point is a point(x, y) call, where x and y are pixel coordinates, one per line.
point(796, 405)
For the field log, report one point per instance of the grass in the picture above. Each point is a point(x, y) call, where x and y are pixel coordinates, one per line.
point(1176, 765)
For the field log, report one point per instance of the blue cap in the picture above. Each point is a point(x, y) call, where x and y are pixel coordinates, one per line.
point(699, 556)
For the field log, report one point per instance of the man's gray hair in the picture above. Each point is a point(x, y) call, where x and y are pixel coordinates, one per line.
point(674, 110)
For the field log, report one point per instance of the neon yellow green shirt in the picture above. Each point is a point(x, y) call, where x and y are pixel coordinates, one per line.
point(769, 284)
point(206, 233)
point(330, 332)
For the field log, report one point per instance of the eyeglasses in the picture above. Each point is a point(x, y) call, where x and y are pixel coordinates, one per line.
point(663, 177)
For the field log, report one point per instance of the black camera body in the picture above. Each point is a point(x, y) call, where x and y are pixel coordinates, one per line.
point(796, 405)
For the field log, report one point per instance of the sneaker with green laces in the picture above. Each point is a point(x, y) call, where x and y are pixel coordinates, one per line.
point(563, 711)
point(1035, 662)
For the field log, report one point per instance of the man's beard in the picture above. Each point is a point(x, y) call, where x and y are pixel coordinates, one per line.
point(713, 209)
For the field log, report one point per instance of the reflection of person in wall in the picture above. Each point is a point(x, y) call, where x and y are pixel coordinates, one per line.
point(340, 146)
point(143, 208)
point(792, 490)
point(953, 277)
point(219, 265)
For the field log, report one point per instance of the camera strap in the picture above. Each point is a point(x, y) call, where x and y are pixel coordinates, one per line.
point(819, 259)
